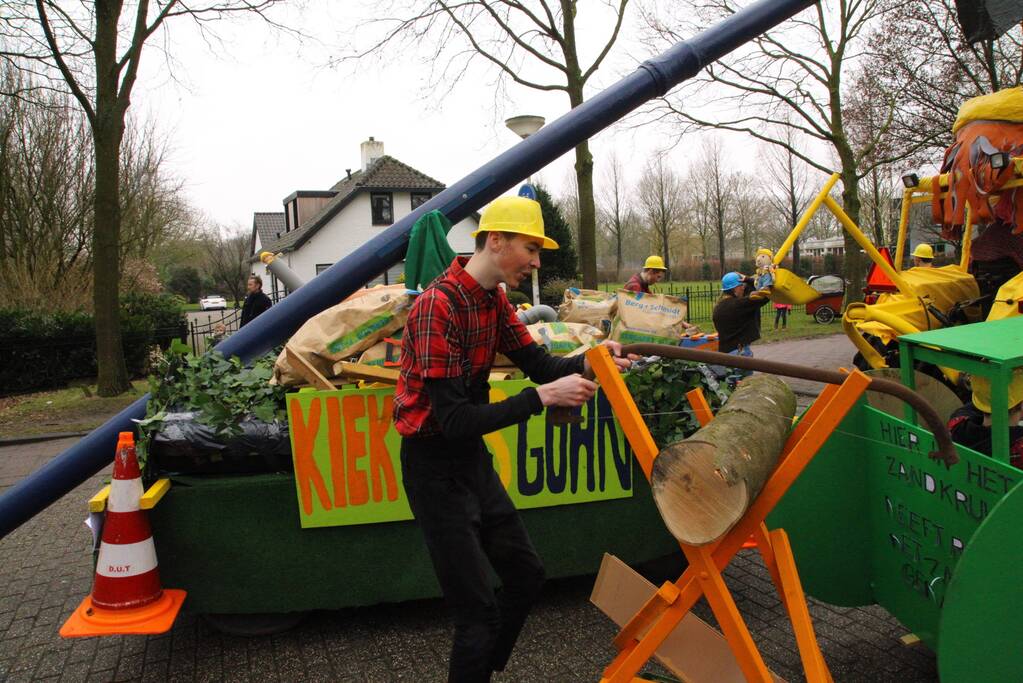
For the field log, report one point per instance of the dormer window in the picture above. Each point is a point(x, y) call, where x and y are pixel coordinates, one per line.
point(382, 204)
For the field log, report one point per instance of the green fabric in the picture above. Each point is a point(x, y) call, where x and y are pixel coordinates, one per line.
point(429, 253)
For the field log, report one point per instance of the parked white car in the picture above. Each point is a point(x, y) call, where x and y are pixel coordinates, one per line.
point(212, 303)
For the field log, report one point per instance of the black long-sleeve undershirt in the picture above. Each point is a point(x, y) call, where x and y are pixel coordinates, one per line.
point(460, 418)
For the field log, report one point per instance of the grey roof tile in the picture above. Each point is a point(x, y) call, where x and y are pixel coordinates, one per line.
point(385, 173)
point(269, 226)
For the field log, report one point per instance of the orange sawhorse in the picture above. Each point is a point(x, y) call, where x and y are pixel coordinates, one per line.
point(640, 638)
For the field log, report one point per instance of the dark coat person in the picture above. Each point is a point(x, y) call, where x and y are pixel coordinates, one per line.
point(256, 302)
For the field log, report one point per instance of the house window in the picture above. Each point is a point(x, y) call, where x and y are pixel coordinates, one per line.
point(382, 203)
point(320, 267)
point(420, 198)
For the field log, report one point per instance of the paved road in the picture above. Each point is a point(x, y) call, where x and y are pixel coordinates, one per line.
point(45, 570)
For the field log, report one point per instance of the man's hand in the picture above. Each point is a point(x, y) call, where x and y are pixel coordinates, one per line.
point(569, 391)
point(615, 349)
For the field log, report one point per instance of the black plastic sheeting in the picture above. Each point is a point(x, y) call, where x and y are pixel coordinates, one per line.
point(185, 446)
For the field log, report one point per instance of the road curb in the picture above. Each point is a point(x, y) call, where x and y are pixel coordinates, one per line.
point(36, 438)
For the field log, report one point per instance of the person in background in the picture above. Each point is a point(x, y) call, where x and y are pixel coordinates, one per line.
point(219, 334)
point(256, 302)
point(652, 273)
point(970, 425)
point(737, 316)
point(923, 256)
point(781, 313)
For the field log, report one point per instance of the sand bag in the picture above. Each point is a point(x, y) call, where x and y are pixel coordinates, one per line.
point(564, 339)
point(385, 353)
point(656, 318)
point(588, 306)
point(346, 330)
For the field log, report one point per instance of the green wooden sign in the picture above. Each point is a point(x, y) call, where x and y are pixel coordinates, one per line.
point(348, 471)
point(874, 520)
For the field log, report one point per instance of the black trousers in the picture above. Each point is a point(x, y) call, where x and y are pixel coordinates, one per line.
point(470, 526)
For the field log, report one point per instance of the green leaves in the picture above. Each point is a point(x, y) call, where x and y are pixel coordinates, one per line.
point(221, 390)
point(659, 390)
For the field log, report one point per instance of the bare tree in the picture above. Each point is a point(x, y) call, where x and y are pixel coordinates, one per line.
point(788, 189)
point(93, 48)
point(661, 204)
point(921, 53)
point(792, 77)
point(227, 260)
point(615, 211)
point(516, 39)
point(47, 174)
point(749, 213)
point(714, 190)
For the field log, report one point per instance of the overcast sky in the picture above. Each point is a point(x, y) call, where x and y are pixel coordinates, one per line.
point(256, 116)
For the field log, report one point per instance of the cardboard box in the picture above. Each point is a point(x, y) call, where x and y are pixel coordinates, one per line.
point(695, 651)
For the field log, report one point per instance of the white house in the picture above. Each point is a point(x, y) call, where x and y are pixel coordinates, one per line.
point(318, 227)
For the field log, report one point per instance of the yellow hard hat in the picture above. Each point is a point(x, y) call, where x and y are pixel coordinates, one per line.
point(923, 251)
point(982, 391)
point(654, 263)
point(520, 215)
point(764, 251)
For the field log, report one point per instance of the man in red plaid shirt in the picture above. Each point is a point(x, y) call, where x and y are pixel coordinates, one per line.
point(442, 410)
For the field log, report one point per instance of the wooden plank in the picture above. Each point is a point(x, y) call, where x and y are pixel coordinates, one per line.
point(157, 491)
point(701, 409)
point(98, 503)
point(371, 373)
point(306, 369)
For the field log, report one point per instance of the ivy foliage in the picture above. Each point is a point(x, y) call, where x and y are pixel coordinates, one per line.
point(659, 390)
point(221, 391)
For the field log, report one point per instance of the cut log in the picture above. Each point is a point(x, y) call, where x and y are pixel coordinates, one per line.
point(704, 484)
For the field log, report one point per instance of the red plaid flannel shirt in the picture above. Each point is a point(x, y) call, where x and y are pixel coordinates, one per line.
point(440, 334)
point(636, 284)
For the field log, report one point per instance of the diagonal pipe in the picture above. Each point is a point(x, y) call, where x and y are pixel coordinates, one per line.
point(654, 78)
point(946, 449)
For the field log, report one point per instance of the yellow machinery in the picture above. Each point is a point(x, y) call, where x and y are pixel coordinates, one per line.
point(982, 184)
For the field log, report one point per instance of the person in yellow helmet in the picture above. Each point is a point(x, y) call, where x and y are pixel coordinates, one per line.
point(923, 256)
point(652, 273)
point(442, 410)
point(970, 425)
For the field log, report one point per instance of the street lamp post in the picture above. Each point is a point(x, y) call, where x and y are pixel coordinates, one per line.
point(524, 126)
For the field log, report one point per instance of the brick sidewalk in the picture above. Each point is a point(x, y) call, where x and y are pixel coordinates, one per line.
point(45, 571)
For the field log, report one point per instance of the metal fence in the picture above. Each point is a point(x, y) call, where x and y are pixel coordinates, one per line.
point(703, 298)
point(221, 324)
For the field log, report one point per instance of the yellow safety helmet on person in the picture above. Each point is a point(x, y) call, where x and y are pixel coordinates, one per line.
point(982, 391)
point(654, 263)
point(519, 215)
point(923, 251)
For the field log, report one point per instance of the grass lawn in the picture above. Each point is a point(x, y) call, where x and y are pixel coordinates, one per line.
point(62, 410)
point(800, 326)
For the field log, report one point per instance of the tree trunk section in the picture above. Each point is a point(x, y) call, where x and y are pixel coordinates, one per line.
point(587, 215)
point(583, 174)
point(107, 132)
point(853, 260)
point(112, 373)
point(703, 485)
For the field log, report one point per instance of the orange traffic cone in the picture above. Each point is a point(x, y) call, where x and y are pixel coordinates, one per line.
point(126, 594)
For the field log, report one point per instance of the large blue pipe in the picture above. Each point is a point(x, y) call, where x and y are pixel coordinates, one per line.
point(654, 78)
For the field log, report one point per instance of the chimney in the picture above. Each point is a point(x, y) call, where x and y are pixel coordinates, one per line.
point(349, 172)
point(371, 151)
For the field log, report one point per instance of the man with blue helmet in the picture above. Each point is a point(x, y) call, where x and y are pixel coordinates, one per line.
point(737, 316)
